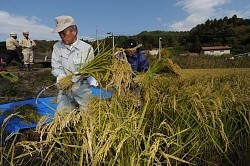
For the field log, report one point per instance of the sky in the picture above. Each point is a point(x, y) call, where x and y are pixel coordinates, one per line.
point(96, 18)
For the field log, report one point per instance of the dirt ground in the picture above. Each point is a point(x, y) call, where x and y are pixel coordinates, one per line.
point(28, 84)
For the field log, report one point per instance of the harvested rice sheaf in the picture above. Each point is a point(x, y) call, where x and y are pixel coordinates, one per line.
point(163, 66)
point(98, 68)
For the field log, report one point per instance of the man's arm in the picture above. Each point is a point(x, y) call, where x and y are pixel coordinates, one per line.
point(57, 68)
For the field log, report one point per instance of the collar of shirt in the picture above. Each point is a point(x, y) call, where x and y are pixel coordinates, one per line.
point(70, 47)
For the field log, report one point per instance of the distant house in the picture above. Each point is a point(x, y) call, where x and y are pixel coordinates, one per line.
point(215, 50)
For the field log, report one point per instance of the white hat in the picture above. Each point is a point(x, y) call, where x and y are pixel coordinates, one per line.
point(25, 32)
point(63, 22)
point(13, 34)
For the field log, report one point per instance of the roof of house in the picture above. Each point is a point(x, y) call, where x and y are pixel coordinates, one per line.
point(216, 48)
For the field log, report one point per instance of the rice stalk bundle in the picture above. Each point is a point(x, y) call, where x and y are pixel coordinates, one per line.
point(172, 67)
point(98, 67)
point(163, 66)
point(9, 76)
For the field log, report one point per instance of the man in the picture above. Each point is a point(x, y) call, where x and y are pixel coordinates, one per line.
point(135, 57)
point(68, 56)
point(27, 49)
point(11, 53)
point(138, 63)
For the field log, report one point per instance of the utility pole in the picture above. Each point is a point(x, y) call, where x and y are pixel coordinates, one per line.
point(160, 48)
point(97, 42)
point(113, 40)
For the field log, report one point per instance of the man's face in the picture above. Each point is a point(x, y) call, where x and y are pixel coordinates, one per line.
point(26, 35)
point(68, 36)
point(130, 51)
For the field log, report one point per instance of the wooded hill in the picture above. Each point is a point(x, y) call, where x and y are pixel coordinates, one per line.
point(234, 32)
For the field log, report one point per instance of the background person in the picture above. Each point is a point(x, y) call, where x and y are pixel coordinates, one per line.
point(27, 46)
point(69, 55)
point(135, 57)
point(139, 63)
point(11, 50)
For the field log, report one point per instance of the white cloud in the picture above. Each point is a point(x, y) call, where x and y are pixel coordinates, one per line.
point(161, 21)
point(158, 19)
point(201, 10)
point(12, 23)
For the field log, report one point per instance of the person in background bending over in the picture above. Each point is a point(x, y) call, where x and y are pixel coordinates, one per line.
point(11, 52)
point(27, 49)
point(135, 57)
point(69, 55)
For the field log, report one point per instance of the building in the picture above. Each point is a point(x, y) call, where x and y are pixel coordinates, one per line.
point(215, 50)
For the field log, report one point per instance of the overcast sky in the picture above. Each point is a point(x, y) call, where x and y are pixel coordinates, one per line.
point(122, 17)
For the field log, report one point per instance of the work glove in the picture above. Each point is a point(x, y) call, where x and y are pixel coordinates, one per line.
point(92, 81)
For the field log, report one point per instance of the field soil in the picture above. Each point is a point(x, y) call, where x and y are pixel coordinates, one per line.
point(28, 84)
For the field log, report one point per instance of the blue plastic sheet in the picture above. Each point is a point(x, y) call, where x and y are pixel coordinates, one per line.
point(103, 94)
point(46, 107)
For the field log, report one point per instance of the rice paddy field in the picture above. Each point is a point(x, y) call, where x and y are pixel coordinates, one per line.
point(184, 117)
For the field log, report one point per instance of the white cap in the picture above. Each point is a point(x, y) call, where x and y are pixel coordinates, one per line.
point(25, 32)
point(13, 34)
point(63, 22)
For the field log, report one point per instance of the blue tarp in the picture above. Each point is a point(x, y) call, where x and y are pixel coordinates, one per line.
point(103, 94)
point(46, 106)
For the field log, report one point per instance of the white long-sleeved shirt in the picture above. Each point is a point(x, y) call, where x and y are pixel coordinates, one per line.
point(67, 59)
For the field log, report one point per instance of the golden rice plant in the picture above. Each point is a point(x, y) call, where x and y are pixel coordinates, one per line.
point(107, 133)
point(192, 121)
